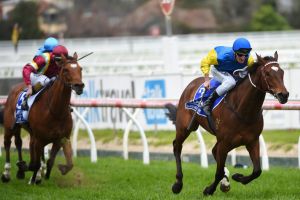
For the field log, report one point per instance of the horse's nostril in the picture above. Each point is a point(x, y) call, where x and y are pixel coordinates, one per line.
point(79, 85)
point(287, 95)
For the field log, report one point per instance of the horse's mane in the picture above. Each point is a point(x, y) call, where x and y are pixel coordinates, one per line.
point(257, 64)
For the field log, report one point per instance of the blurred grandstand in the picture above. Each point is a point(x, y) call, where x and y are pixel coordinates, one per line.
point(145, 54)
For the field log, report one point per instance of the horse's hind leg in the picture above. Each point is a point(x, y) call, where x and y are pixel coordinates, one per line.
point(22, 167)
point(181, 135)
point(67, 148)
point(253, 150)
point(7, 143)
point(220, 155)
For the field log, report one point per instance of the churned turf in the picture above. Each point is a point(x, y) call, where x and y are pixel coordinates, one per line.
point(114, 178)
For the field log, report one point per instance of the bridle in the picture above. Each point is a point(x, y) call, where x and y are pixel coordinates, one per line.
point(264, 77)
point(252, 120)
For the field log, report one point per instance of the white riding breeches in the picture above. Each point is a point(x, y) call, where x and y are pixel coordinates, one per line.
point(226, 80)
point(39, 79)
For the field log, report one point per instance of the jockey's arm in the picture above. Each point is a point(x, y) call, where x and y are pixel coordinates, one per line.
point(207, 61)
point(37, 63)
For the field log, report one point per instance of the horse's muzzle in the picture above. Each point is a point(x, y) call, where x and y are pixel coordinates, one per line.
point(78, 88)
point(282, 97)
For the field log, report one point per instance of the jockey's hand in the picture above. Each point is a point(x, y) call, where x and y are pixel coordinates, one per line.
point(29, 91)
point(206, 83)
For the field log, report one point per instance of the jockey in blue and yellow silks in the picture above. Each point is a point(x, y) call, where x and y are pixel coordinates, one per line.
point(225, 61)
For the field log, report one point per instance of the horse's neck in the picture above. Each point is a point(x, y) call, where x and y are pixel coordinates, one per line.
point(60, 97)
point(247, 99)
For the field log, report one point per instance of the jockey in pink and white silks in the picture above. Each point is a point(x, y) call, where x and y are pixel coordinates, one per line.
point(225, 61)
point(42, 68)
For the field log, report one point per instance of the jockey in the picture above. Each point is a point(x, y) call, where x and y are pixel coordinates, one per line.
point(42, 68)
point(225, 61)
point(48, 46)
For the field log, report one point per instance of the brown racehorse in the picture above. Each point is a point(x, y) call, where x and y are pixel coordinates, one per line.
point(238, 119)
point(50, 121)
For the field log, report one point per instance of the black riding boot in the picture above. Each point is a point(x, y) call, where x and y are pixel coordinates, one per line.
point(24, 105)
point(207, 106)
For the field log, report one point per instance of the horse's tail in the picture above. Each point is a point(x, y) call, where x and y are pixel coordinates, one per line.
point(172, 112)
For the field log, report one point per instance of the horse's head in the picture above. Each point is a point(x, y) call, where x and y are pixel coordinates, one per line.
point(272, 77)
point(71, 73)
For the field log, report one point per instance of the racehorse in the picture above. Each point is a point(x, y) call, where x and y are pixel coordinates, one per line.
point(238, 119)
point(49, 121)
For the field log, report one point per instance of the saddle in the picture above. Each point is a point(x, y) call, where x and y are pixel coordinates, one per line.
point(24, 104)
point(200, 97)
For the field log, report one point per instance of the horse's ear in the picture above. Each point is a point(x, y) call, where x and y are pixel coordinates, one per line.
point(259, 58)
point(276, 56)
point(75, 55)
point(63, 58)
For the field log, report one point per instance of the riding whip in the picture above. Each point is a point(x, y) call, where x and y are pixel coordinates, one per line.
point(85, 56)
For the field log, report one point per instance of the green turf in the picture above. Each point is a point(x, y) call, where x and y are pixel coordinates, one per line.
point(113, 178)
point(278, 139)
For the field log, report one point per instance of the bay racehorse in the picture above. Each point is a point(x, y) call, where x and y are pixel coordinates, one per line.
point(238, 119)
point(49, 121)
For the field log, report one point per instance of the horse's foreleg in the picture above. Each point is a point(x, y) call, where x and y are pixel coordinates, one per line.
point(43, 169)
point(221, 154)
point(177, 148)
point(55, 148)
point(253, 150)
point(225, 184)
point(36, 150)
point(7, 142)
point(22, 167)
point(67, 148)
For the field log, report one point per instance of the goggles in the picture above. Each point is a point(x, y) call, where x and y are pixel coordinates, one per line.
point(243, 52)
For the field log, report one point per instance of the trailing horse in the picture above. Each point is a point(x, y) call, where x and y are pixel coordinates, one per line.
point(49, 121)
point(238, 119)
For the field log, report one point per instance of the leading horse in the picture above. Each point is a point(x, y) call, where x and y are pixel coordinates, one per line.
point(238, 119)
point(50, 121)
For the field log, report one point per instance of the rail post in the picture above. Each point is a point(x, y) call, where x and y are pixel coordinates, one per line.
point(203, 153)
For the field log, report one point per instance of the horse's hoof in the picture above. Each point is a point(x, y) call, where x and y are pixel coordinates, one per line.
point(225, 185)
point(5, 179)
point(22, 165)
point(64, 169)
point(38, 182)
point(237, 177)
point(47, 176)
point(177, 187)
point(20, 174)
point(208, 191)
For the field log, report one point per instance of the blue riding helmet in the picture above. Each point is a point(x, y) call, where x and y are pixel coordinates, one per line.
point(49, 45)
point(241, 44)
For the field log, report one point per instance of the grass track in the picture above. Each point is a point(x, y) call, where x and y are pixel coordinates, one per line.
point(113, 178)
